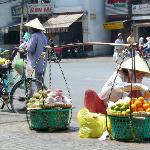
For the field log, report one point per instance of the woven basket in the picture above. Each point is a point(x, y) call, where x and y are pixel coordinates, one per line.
point(50, 118)
point(6, 56)
point(126, 129)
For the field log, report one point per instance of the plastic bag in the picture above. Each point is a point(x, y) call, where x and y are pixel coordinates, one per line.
point(10, 78)
point(29, 69)
point(91, 125)
point(19, 65)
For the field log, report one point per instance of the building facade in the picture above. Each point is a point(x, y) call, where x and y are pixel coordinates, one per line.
point(66, 21)
point(141, 18)
point(118, 14)
point(124, 15)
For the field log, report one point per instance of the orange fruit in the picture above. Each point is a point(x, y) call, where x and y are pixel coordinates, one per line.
point(141, 99)
point(140, 109)
point(138, 103)
point(132, 101)
point(133, 107)
point(148, 110)
point(146, 106)
point(146, 102)
point(147, 94)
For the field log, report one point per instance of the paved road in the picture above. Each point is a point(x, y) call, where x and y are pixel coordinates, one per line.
point(16, 135)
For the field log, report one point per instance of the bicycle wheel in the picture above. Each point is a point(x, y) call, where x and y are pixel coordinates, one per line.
point(18, 94)
point(2, 104)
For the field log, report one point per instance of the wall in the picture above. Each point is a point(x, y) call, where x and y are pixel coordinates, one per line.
point(92, 22)
point(5, 13)
point(95, 23)
point(5, 17)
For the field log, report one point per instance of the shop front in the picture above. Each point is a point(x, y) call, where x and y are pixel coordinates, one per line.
point(141, 20)
point(66, 28)
point(118, 18)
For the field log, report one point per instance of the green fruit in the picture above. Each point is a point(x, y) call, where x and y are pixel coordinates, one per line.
point(36, 95)
point(123, 108)
point(124, 113)
point(112, 107)
point(126, 106)
point(119, 105)
point(117, 108)
point(128, 110)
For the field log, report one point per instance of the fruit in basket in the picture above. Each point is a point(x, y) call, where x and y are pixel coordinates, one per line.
point(146, 106)
point(123, 108)
point(140, 109)
point(117, 108)
point(2, 61)
point(141, 99)
point(133, 107)
point(128, 111)
point(148, 110)
point(36, 95)
point(48, 100)
point(138, 103)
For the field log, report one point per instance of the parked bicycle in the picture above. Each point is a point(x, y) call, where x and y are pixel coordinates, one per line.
point(15, 96)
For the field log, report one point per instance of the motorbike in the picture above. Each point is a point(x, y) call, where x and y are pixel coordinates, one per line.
point(78, 52)
point(54, 56)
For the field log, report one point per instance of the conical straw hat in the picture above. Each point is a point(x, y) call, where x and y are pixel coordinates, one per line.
point(35, 23)
point(140, 65)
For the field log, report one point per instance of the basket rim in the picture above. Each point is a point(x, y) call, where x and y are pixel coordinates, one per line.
point(136, 117)
point(51, 110)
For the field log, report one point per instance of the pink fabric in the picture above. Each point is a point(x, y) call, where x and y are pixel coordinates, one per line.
point(135, 94)
point(58, 50)
point(93, 102)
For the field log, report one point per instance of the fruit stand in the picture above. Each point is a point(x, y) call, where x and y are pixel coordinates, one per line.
point(130, 128)
point(49, 109)
point(130, 116)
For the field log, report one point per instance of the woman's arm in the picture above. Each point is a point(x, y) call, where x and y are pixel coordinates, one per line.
point(32, 44)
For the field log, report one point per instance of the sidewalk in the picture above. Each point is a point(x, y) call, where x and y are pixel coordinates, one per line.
point(16, 135)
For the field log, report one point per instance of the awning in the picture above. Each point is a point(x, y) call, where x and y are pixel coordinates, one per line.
point(142, 24)
point(60, 23)
point(114, 25)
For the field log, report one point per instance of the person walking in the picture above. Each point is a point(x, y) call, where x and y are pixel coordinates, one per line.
point(35, 47)
point(117, 56)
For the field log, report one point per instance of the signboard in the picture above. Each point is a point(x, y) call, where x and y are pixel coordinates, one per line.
point(141, 9)
point(16, 11)
point(113, 25)
point(44, 8)
point(116, 7)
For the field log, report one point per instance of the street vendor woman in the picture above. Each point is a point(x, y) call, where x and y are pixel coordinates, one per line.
point(119, 85)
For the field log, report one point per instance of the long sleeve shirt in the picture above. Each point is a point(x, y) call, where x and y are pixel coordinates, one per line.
point(35, 48)
point(120, 89)
point(147, 44)
point(119, 41)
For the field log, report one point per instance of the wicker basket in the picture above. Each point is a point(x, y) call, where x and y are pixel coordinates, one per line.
point(6, 55)
point(126, 129)
point(50, 118)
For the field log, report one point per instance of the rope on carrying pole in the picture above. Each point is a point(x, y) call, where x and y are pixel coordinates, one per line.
point(111, 137)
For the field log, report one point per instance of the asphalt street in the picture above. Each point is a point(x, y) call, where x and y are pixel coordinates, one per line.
point(80, 74)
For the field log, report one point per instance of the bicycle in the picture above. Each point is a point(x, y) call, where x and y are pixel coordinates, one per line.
point(10, 94)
